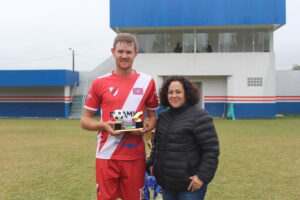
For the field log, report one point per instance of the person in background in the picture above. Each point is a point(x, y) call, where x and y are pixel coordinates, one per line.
point(208, 47)
point(120, 156)
point(178, 48)
point(184, 156)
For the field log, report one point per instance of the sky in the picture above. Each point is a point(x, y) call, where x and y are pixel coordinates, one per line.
point(38, 34)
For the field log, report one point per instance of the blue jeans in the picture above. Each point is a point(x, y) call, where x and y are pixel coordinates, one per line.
point(186, 195)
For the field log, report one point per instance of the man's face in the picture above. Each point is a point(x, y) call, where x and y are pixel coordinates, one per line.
point(124, 54)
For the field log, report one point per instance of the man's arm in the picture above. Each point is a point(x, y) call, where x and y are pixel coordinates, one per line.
point(87, 122)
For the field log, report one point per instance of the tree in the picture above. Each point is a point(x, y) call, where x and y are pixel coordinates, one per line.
point(296, 67)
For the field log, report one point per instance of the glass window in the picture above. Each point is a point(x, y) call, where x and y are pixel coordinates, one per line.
point(156, 43)
point(206, 41)
point(225, 41)
point(237, 41)
point(248, 42)
point(258, 41)
point(231, 42)
point(188, 42)
point(212, 43)
point(173, 42)
point(142, 43)
point(201, 39)
point(267, 41)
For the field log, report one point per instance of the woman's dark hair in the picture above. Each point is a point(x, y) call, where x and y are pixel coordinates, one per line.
point(192, 93)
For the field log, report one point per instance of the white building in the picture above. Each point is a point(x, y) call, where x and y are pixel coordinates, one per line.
point(238, 65)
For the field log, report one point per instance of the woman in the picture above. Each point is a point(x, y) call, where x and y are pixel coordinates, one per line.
point(184, 156)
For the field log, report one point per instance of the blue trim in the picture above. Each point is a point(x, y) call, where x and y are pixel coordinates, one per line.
point(39, 78)
point(174, 13)
point(243, 110)
point(42, 110)
point(288, 108)
point(68, 107)
point(216, 109)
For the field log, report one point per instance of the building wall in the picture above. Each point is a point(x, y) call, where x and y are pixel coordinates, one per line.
point(36, 101)
point(232, 69)
point(288, 92)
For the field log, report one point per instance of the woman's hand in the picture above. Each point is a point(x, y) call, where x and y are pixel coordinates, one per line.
point(195, 184)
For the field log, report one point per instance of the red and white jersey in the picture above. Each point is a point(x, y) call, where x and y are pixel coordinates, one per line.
point(131, 94)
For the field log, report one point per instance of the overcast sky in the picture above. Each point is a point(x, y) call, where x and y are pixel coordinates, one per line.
point(37, 34)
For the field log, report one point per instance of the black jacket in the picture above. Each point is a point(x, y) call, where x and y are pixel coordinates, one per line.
point(185, 144)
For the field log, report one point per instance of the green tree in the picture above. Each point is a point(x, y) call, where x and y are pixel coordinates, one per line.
point(296, 67)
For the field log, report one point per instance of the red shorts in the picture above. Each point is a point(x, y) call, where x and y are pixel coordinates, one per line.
point(120, 179)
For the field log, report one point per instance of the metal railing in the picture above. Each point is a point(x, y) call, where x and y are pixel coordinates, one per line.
point(73, 92)
point(85, 91)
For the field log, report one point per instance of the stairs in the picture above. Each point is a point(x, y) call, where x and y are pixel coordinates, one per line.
point(76, 109)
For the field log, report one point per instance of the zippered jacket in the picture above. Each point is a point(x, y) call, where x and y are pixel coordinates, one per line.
point(185, 144)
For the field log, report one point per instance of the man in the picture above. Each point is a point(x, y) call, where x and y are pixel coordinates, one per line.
point(120, 156)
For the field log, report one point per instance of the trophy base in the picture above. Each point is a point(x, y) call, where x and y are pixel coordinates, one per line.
point(129, 130)
point(128, 126)
point(118, 126)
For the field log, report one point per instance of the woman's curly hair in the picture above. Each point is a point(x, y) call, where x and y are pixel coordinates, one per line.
point(192, 93)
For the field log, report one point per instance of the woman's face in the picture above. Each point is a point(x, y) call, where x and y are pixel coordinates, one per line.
point(176, 94)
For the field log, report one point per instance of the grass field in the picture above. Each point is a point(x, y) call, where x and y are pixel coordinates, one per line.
point(54, 159)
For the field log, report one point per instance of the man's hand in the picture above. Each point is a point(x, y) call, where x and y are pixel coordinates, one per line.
point(108, 126)
point(195, 184)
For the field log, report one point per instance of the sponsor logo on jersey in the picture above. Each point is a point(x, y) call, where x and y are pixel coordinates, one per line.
point(126, 145)
point(138, 91)
point(125, 113)
point(113, 90)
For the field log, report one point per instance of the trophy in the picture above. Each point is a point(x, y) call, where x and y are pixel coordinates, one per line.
point(121, 124)
point(118, 115)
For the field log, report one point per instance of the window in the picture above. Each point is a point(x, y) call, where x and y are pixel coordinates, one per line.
point(157, 43)
point(267, 41)
point(174, 42)
point(142, 43)
point(204, 41)
point(188, 42)
point(225, 41)
point(201, 39)
point(236, 42)
point(258, 41)
point(254, 81)
point(212, 43)
point(248, 42)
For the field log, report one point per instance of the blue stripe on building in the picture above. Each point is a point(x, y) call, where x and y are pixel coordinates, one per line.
point(243, 110)
point(46, 110)
point(288, 107)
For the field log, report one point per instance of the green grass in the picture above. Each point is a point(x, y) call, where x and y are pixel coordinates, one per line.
point(54, 159)
point(260, 159)
point(46, 159)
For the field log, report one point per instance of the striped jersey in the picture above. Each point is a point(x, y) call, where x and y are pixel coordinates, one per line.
point(131, 94)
